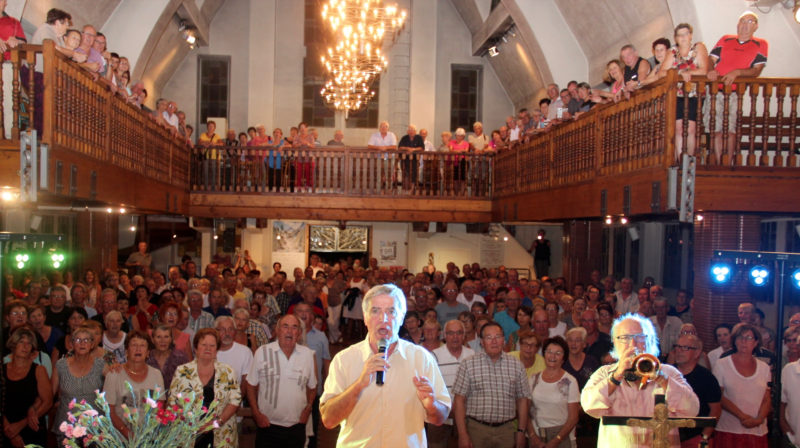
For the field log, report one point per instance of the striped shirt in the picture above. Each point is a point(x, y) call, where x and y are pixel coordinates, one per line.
point(282, 382)
point(491, 388)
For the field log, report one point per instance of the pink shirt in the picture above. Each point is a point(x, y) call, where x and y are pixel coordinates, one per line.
point(628, 400)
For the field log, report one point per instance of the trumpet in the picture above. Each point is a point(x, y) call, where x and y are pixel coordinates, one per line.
point(647, 367)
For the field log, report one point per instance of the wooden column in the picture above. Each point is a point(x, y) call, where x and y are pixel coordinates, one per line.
point(714, 304)
point(97, 242)
point(583, 250)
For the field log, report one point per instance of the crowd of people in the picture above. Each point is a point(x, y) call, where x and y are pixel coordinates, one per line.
point(523, 359)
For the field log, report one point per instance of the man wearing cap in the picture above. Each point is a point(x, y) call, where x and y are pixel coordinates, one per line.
point(734, 56)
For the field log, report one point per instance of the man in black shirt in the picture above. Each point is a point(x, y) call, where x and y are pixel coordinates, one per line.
point(413, 143)
point(704, 384)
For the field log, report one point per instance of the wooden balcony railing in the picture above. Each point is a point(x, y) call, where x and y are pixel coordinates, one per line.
point(342, 170)
point(640, 133)
point(82, 117)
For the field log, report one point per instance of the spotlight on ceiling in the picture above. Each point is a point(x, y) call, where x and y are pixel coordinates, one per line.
point(189, 33)
point(494, 51)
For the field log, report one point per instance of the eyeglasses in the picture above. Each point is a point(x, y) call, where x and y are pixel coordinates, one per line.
point(453, 333)
point(685, 348)
point(794, 322)
point(18, 313)
point(82, 340)
point(554, 352)
point(685, 332)
point(450, 290)
point(493, 337)
point(747, 338)
point(640, 337)
point(171, 314)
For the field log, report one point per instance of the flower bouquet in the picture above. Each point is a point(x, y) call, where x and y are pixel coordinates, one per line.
point(154, 424)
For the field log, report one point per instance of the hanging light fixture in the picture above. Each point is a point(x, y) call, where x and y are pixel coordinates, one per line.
point(362, 32)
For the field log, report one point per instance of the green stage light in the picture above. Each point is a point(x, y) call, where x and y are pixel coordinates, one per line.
point(21, 260)
point(56, 259)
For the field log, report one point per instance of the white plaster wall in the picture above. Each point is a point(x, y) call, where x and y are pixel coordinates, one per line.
point(454, 46)
point(390, 232)
point(132, 19)
point(262, 51)
point(460, 247)
point(719, 17)
point(228, 36)
point(565, 58)
point(423, 64)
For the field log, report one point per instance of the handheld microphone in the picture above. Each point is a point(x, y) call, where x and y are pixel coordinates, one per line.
point(381, 349)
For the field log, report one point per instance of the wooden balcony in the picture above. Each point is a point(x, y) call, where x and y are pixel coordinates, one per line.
point(617, 159)
point(102, 150)
point(341, 183)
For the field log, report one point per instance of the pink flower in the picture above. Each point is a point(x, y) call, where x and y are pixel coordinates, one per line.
point(152, 403)
point(72, 403)
point(216, 424)
point(78, 431)
point(63, 427)
point(71, 418)
point(83, 402)
point(90, 413)
point(66, 429)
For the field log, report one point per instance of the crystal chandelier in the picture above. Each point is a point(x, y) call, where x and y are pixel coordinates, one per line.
point(362, 30)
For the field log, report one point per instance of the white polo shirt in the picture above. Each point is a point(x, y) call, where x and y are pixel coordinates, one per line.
point(377, 139)
point(388, 415)
point(282, 382)
point(239, 357)
point(475, 298)
point(790, 384)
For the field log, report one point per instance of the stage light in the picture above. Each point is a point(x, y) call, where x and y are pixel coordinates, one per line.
point(721, 273)
point(623, 220)
point(698, 218)
point(494, 51)
point(609, 220)
point(56, 259)
point(795, 278)
point(758, 275)
point(21, 260)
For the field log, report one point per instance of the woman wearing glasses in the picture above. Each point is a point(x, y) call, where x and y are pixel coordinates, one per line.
point(745, 392)
point(76, 377)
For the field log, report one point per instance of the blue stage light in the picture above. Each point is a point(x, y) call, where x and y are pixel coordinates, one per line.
point(721, 273)
point(759, 275)
point(795, 278)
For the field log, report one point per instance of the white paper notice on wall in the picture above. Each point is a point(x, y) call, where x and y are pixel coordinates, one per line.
point(388, 251)
point(492, 252)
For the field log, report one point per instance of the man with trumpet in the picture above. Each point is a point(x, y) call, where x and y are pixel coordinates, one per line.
point(629, 386)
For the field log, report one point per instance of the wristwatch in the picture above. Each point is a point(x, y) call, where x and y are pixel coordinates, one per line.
point(614, 381)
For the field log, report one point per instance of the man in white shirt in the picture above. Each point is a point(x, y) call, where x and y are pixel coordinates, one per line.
point(555, 101)
point(627, 299)
point(449, 357)
point(668, 328)
point(281, 386)
point(467, 295)
point(232, 353)
point(383, 139)
point(411, 393)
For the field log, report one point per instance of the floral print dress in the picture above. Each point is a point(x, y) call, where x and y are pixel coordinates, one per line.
point(226, 391)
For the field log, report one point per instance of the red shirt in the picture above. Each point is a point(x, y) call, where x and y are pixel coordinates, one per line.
point(9, 27)
point(731, 55)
